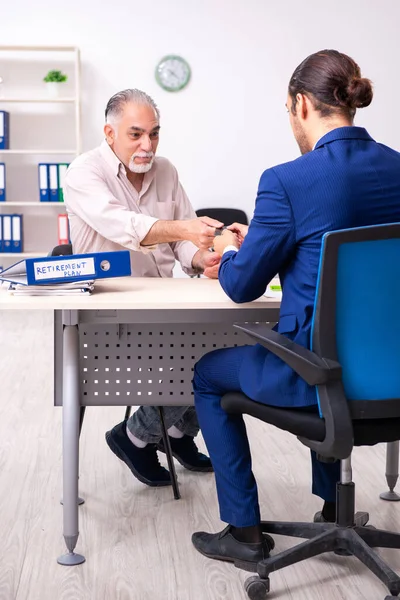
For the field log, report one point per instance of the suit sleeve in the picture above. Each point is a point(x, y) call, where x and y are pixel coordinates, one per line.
point(268, 245)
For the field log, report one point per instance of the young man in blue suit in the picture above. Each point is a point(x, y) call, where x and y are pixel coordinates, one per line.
point(343, 179)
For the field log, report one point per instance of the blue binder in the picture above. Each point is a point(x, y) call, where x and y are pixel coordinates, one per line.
point(2, 182)
point(43, 172)
point(1, 234)
point(53, 182)
point(16, 233)
point(4, 130)
point(63, 269)
point(7, 235)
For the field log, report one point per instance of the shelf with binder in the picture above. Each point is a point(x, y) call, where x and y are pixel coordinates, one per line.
point(38, 151)
point(23, 254)
point(42, 130)
point(37, 100)
point(33, 204)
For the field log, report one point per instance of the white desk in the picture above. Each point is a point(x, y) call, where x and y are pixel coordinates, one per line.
point(123, 346)
point(134, 341)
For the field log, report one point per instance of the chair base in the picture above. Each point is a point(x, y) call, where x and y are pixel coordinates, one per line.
point(328, 537)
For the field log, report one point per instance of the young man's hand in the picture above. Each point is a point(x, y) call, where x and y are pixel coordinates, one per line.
point(240, 230)
point(227, 238)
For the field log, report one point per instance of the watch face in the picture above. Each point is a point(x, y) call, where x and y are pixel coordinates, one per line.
point(173, 73)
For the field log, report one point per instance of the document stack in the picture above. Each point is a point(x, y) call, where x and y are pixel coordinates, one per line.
point(51, 181)
point(79, 288)
point(64, 276)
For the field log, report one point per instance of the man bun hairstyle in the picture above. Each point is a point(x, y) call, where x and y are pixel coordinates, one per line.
point(333, 83)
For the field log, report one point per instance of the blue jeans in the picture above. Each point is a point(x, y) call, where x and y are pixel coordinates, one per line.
point(225, 436)
point(145, 423)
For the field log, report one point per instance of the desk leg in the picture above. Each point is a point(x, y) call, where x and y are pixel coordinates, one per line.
point(392, 471)
point(71, 413)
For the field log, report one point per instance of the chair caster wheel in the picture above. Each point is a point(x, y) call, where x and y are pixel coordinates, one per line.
point(256, 588)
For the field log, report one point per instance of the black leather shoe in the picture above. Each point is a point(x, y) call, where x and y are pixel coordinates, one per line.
point(187, 454)
point(143, 462)
point(223, 546)
point(319, 518)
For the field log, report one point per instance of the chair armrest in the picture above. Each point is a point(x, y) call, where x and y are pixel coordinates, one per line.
point(311, 367)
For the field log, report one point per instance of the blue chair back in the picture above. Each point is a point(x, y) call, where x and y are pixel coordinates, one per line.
point(357, 310)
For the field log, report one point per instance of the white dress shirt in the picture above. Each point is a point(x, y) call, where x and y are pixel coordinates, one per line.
point(107, 213)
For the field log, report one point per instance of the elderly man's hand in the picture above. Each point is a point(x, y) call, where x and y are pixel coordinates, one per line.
point(227, 238)
point(201, 231)
point(207, 262)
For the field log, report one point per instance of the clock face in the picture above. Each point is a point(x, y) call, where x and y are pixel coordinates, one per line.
point(173, 73)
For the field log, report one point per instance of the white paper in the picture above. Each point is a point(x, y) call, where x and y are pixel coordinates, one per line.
point(16, 228)
point(53, 177)
point(73, 267)
point(43, 184)
point(62, 169)
point(62, 229)
point(2, 176)
point(274, 289)
point(7, 228)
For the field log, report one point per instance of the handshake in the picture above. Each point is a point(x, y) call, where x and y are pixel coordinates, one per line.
point(206, 234)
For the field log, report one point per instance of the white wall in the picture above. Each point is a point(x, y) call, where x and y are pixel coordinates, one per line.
point(230, 123)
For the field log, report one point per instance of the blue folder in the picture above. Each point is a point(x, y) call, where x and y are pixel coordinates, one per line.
point(16, 233)
point(4, 130)
point(43, 173)
point(63, 269)
point(2, 182)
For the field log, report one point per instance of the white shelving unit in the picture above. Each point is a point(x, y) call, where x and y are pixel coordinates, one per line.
point(41, 204)
point(29, 52)
point(30, 100)
point(37, 151)
point(25, 254)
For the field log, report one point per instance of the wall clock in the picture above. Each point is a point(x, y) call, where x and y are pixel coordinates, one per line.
point(173, 73)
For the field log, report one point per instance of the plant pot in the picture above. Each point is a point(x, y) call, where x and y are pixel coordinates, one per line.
point(54, 89)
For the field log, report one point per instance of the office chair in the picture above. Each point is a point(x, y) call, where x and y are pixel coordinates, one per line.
point(225, 215)
point(62, 250)
point(354, 364)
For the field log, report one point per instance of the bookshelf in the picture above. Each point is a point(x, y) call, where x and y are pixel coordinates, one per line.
point(24, 97)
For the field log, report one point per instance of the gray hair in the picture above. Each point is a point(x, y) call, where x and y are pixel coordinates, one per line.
point(116, 103)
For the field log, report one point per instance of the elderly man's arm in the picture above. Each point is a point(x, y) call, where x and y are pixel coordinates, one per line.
point(88, 196)
point(193, 260)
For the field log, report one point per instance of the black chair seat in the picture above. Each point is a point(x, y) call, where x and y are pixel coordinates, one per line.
point(306, 422)
point(225, 215)
point(62, 250)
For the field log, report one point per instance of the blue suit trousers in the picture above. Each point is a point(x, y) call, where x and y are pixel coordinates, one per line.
point(225, 436)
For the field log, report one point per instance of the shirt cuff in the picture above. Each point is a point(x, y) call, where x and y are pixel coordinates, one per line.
point(143, 229)
point(230, 249)
point(185, 253)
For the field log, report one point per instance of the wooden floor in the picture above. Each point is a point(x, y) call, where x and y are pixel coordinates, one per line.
point(137, 540)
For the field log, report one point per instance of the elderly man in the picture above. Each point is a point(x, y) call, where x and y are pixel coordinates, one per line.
point(120, 195)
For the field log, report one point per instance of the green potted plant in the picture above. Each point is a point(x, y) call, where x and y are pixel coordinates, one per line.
point(53, 80)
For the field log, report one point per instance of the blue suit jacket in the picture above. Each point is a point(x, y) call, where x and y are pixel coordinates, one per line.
point(348, 180)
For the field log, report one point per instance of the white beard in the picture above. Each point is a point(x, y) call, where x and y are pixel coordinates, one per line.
point(144, 167)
